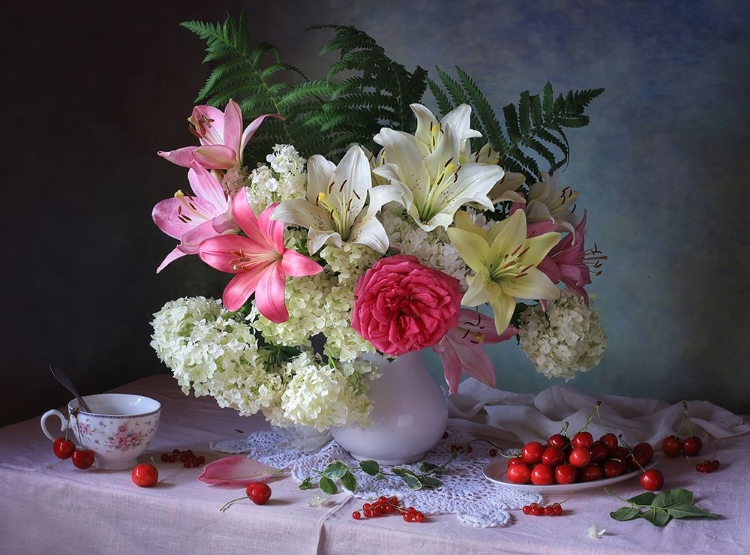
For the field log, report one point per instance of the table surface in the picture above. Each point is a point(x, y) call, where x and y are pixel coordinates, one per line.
point(49, 506)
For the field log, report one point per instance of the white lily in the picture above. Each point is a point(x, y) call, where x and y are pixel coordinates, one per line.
point(547, 202)
point(341, 204)
point(427, 167)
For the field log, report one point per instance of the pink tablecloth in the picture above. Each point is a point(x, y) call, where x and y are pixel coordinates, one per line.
point(48, 506)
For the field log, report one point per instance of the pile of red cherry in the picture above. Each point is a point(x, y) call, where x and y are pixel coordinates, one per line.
point(564, 460)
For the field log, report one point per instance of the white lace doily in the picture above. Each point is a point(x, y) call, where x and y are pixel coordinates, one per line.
point(465, 491)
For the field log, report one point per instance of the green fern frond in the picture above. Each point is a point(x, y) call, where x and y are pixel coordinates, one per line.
point(530, 131)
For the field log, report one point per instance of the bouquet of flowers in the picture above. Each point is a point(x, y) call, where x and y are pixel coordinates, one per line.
point(354, 220)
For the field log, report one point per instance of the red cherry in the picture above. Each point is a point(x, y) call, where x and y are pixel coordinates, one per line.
point(579, 457)
point(671, 445)
point(641, 455)
point(566, 474)
point(691, 446)
point(590, 472)
point(542, 475)
point(582, 440)
point(258, 492)
point(532, 452)
point(514, 461)
point(83, 458)
point(519, 473)
point(144, 475)
point(558, 440)
point(599, 452)
point(63, 448)
point(610, 440)
point(553, 456)
point(612, 468)
point(652, 480)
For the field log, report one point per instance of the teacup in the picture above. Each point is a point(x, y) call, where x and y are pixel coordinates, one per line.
point(118, 429)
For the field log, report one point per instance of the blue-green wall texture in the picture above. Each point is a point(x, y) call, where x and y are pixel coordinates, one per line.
point(662, 170)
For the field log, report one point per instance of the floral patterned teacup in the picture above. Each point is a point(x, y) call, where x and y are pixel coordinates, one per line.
point(118, 429)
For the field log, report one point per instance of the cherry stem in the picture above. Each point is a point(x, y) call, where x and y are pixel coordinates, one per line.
point(686, 416)
point(228, 503)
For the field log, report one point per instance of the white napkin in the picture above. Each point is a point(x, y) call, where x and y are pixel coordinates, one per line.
point(519, 418)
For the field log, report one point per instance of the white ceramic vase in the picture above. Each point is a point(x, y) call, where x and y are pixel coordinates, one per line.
point(409, 414)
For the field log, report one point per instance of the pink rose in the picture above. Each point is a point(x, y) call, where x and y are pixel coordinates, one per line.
point(401, 305)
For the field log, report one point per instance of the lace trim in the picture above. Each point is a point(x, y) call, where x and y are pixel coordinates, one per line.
point(465, 492)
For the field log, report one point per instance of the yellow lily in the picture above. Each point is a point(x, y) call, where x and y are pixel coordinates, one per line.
point(505, 262)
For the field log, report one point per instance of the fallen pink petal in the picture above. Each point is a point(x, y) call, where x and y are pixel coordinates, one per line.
point(237, 471)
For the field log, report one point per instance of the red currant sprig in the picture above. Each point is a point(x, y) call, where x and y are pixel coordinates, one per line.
point(535, 509)
point(707, 466)
point(387, 505)
point(187, 458)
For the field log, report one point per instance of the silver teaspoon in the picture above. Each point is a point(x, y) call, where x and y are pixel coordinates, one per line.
point(63, 378)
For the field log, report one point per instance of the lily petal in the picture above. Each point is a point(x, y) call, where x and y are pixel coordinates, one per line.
point(237, 471)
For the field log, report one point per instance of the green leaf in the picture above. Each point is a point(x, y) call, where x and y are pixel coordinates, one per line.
point(370, 467)
point(657, 517)
point(430, 482)
point(335, 470)
point(672, 497)
point(645, 498)
point(411, 479)
point(426, 467)
point(306, 484)
point(625, 513)
point(689, 511)
point(328, 486)
point(348, 481)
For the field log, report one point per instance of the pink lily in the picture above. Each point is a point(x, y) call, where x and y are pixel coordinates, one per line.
point(221, 137)
point(193, 219)
point(237, 471)
point(567, 263)
point(260, 261)
point(462, 348)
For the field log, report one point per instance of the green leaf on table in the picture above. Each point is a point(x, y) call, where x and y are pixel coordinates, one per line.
point(335, 470)
point(370, 467)
point(689, 511)
point(348, 481)
point(306, 484)
point(670, 497)
point(625, 513)
point(327, 485)
point(645, 498)
point(657, 517)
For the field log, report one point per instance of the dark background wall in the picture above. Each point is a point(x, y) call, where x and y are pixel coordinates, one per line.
point(91, 90)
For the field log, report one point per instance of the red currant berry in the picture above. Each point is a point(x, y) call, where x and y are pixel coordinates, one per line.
point(527, 509)
point(549, 511)
point(557, 508)
point(493, 453)
point(63, 448)
point(83, 458)
point(691, 446)
point(356, 515)
point(671, 445)
point(652, 480)
point(419, 517)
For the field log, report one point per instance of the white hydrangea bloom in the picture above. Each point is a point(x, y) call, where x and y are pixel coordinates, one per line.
point(206, 347)
point(322, 396)
point(283, 178)
point(568, 338)
point(432, 249)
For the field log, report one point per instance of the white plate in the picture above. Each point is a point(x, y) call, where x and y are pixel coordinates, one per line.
point(496, 472)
